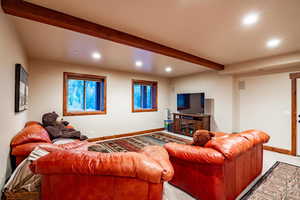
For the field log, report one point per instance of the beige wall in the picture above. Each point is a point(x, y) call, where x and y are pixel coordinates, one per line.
point(218, 89)
point(11, 53)
point(265, 104)
point(46, 95)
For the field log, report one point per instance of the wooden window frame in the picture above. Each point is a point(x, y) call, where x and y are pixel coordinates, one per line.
point(86, 77)
point(154, 84)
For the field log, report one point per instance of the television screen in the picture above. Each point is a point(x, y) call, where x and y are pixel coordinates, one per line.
point(191, 103)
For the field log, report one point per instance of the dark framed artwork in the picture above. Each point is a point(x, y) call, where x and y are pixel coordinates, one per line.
point(21, 89)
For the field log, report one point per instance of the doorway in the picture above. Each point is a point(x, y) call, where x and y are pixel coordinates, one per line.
point(298, 119)
point(295, 114)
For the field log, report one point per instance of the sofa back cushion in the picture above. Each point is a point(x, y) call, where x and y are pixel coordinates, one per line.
point(231, 146)
point(29, 134)
point(195, 154)
point(255, 136)
point(30, 123)
point(128, 164)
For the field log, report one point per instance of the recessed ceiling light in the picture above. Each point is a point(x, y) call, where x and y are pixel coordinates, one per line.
point(168, 69)
point(250, 19)
point(272, 43)
point(138, 63)
point(96, 56)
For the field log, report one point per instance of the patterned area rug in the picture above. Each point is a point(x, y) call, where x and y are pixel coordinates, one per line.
point(136, 143)
point(281, 182)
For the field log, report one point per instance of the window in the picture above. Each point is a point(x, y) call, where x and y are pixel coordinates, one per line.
point(84, 94)
point(144, 96)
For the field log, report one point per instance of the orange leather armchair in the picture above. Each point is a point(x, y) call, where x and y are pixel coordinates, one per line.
point(77, 175)
point(222, 169)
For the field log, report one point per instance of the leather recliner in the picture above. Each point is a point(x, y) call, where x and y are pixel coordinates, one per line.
point(222, 169)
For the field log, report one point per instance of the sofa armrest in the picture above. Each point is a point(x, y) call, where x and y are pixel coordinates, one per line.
point(129, 164)
point(31, 134)
point(194, 153)
point(255, 136)
point(26, 149)
point(231, 146)
point(160, 155)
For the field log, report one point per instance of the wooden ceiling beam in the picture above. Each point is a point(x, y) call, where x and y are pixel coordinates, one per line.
point(21, 8)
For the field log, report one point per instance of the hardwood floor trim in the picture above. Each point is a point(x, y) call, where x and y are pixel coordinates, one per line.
point(21, 8)
point(125, 135)
point(278, 150)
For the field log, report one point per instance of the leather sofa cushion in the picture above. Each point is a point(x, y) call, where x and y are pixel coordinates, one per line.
point(30, 123)
point(161, 156)
point(25, 149)
point(195, 153)
point(220, 134)
point(129, 164)
point(231, 146)
point(30, 134)
point(255, 136)
point(77, 144)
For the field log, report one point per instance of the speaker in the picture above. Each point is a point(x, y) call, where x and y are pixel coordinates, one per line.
point(242, 85)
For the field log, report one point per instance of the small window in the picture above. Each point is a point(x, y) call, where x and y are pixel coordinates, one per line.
point(144, 96)
point(84, 94)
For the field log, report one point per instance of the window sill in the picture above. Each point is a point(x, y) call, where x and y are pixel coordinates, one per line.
point(84, 113)
point(145, 110)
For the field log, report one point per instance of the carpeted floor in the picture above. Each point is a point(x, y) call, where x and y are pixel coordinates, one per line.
point(281, 182)
point(136, 143)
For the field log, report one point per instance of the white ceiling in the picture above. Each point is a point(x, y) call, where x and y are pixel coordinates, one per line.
point(205, 28)
point(43, 41)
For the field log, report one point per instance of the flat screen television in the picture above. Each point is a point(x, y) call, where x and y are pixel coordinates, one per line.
point(191, 103)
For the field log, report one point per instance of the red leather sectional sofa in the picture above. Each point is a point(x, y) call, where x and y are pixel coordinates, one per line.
point(222, 169)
